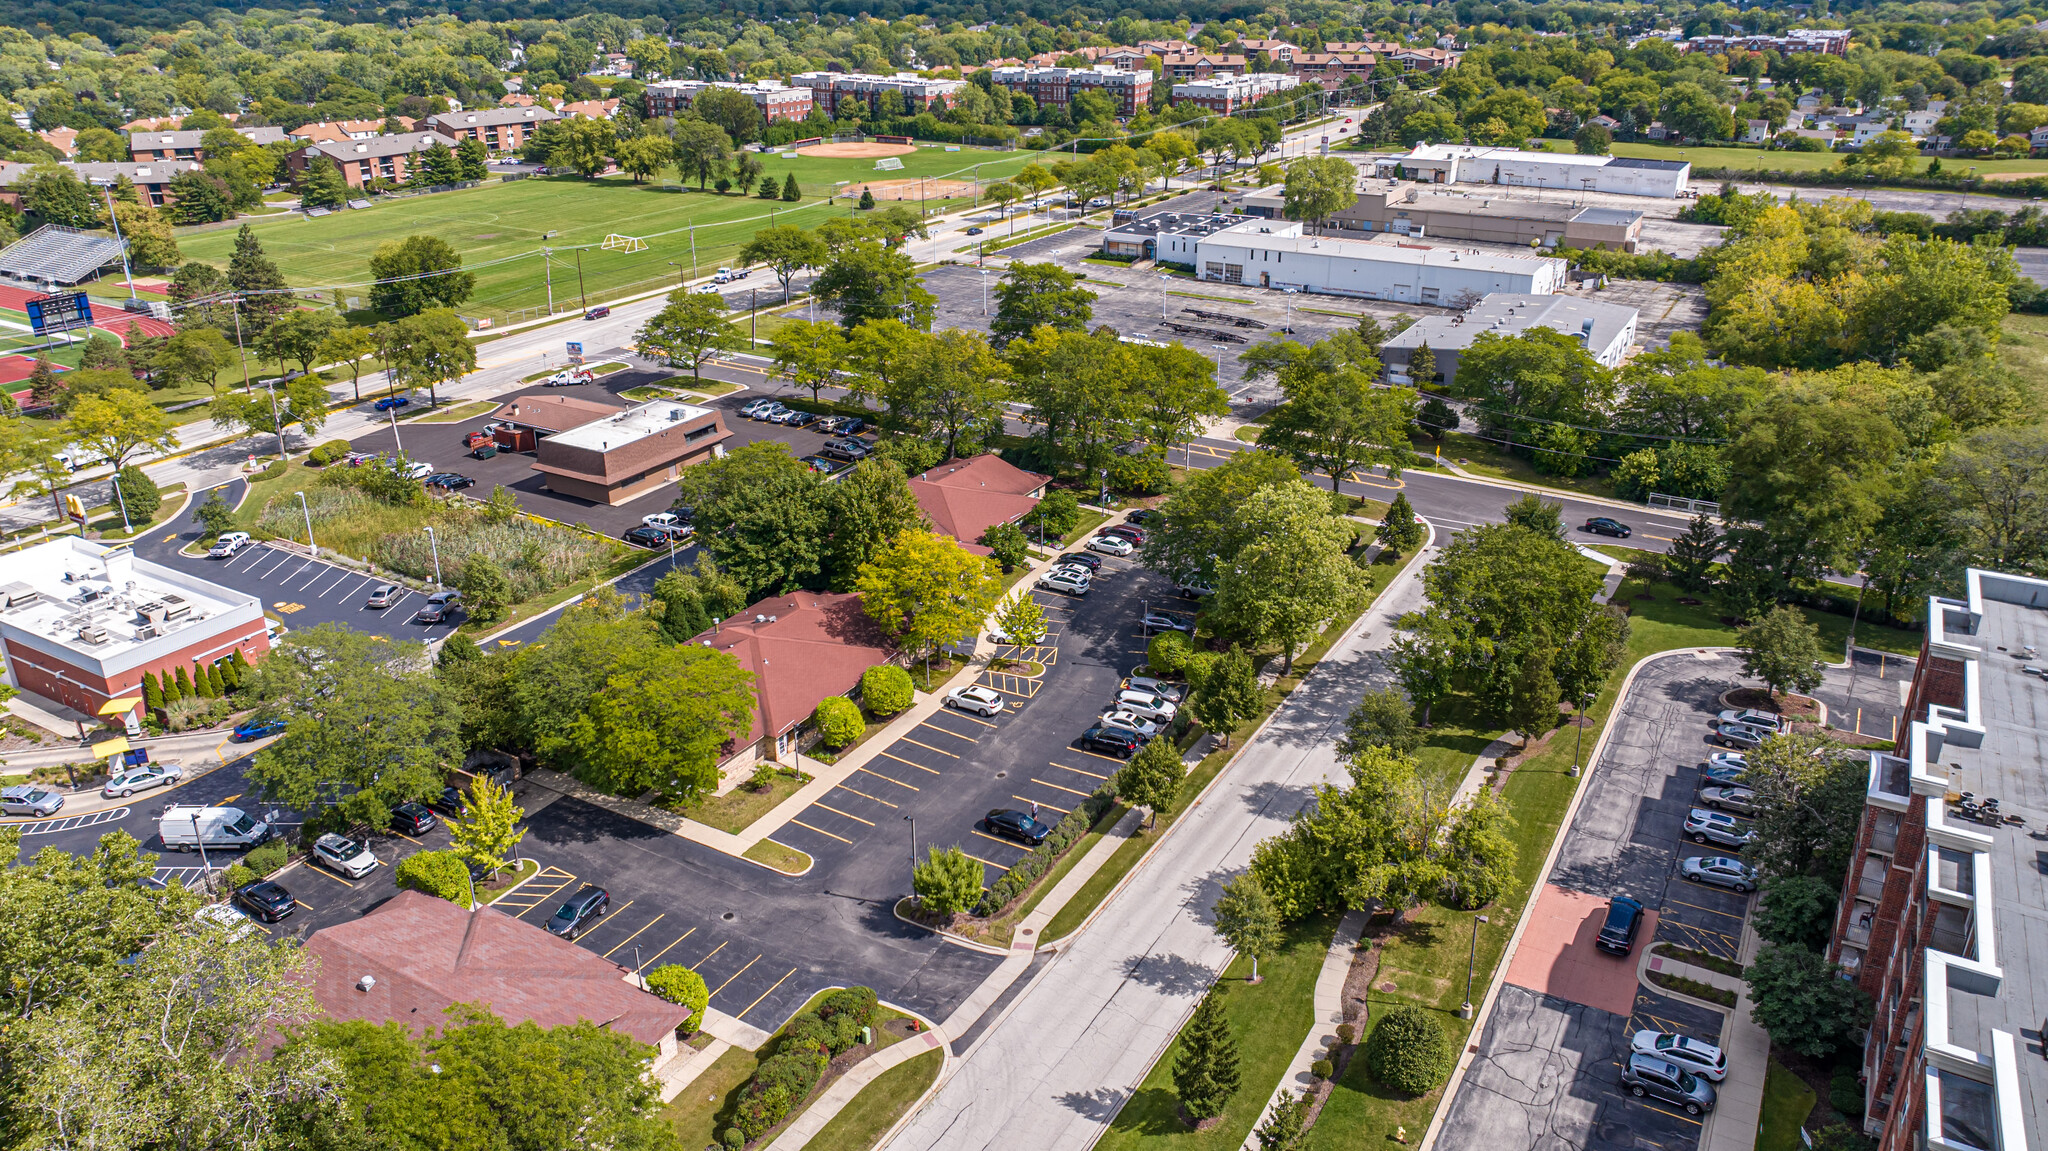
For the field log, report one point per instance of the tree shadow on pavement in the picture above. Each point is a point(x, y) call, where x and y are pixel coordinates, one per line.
point(1172, 974)
point(1101, 1104)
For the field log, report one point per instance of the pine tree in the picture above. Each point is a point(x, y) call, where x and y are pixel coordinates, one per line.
point(867, 199)
point(43, 384)
point(1692, 554)
point(255, 275)
point(790, 193)
point(183, 684)
point(1400, 532)
point(1422, 367)
point(241, 668)
point(152, 692)
point(1205, 1070)
point(1282, 1129)
point(215, 689)
point(230, 676)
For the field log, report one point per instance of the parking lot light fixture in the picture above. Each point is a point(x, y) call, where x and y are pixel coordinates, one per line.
point(912, 821)
point(310, 545)
point(435, 544)
point(1471, 962)
point(1579, 732)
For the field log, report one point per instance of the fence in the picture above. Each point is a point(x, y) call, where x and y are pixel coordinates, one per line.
point(806, 142)
point(894, 140)
point(1680, 504)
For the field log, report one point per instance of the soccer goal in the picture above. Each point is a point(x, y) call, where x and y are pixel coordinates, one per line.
point(889, 164)
point(618, 243)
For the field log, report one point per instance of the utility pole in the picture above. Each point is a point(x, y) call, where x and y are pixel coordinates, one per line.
point(579, 280)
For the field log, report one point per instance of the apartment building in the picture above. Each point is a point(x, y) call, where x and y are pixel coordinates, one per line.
point(1199, 65)
point(388, 158)
point(1226, 93)
point(777, 101)
point(149, 147)
point(1807, 41)
point(335, 131)
point(152, 180)
point(1056, 87)
point(919, 93)
point(1330, 69)
point(500, 129)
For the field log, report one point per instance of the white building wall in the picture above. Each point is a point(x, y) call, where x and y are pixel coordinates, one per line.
point(1349, 268)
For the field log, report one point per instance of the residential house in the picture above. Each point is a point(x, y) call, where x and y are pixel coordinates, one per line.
point(802, 649)
point(965, 497)
point(65, 140)
point(590, 109)
point(1756, 131)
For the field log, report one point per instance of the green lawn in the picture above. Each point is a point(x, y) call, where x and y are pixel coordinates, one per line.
point(1787, 1103)
point(881, 1103)
point(1269, 1019)
point(2023, 347)
point(505, 222)
point(736, 810)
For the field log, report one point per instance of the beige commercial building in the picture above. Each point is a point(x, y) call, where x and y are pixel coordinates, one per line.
point(1422, 212)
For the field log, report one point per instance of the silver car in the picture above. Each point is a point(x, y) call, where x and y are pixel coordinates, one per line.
point(1146, 705)
point(28, 799)
point(1740, 800)
point(142, 778)
point(1702, 1059)
point(1703, 826)
point(345, 855)
point(1719, 870)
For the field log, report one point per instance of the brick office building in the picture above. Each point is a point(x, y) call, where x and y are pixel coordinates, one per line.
point(144, 147)
point(625, 455)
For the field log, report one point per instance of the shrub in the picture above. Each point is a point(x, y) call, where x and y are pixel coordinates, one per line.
point(1407, 1051)
point(1346, 1034)
point(139, 494)
point(238, 874)
point(858, 1002)
point(807, 1032)
point(887, 689)
point(683, 987)
point(839, 721)
point(756, 1114)
point(793, 1073)
point(267, 858)
point(946, 882)
point(1845, 1094)
point(734, 1139)
point(1167, 654)
point(272, 472)
point(1059, 512)
point(1322, 1069)
point(327, 453)
point(1016, 881)
point(441, 874)
point(1008, 544)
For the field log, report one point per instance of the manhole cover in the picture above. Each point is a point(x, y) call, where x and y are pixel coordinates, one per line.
point(728, 918)
point(1002, 775)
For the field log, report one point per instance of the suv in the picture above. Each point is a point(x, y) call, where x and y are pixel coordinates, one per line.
point(853, 450)
point(1662, 1079)
point(1702, 1059)
point(1618, 933)
point(413, 819)
point(266, 900)
point(582, 907)
point(1068, 582)
point(1146, 705)
point(345, 855)
point(1703, 826)
point(1114, 740)
point(1767, 721)
point(440, 606)
point(1018, 825)
point(27, 799)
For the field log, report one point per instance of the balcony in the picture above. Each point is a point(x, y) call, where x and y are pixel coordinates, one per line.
point(1884, 836)
point(1870, 885)
point(1858, 933)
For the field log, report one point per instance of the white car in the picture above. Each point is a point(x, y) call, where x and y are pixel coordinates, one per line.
point(345, 855)
point(225, 917)
point(1702, 1059)
point(1016, 641)
point(666, 521)
point(706, 290)
point(142, 777)
point(417, 471)
point(1765, 721)
point(1137, 724)
point(1066, 581)
point(228, 544)
point(1729, 761)
point(1146, 705)
point(980, 700)
point(1110, 546)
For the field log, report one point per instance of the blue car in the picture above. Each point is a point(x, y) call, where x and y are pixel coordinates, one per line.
point(256, 729)
point(390, 402)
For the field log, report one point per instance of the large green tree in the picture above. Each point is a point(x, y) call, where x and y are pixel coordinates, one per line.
point(417, 273)
point(867, 281)
point(867, 508)
point(660, 720)
point(761, 514)
point(1293, 575)
point(786, 250)
point(689, 330)
point(428, 350)
point(1030, 296)
point(927, 591)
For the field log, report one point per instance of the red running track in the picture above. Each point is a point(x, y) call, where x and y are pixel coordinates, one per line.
point(104, 317)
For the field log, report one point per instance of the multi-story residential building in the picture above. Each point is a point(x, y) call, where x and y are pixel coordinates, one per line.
point(388, 158)
point(1279, 50)
point(1225, 93)
point(1199, 65)
point(152, 180)
point(919, 93)
point(335, 131)
point(1122, 59)
point(1940, 914)
point(500, 129)
point(1828, 41)
point(145, 147)
point(1056, 87)
point(776, 100)
point(1330, 69)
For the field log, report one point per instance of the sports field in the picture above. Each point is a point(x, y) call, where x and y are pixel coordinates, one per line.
point(498, 228)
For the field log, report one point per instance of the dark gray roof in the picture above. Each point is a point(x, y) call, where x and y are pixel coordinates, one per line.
point(1174, 223)
point(1655, 165)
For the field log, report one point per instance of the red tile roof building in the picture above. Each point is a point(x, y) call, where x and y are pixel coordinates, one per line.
point(964, 498)
point(802, 649)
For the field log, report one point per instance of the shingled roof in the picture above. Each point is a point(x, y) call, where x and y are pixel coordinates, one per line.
point(802, 649)
point(964, 498)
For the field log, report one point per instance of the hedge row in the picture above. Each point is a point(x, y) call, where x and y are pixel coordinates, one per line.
point(1027, 871)
point(327, 453)
point(805, 1049)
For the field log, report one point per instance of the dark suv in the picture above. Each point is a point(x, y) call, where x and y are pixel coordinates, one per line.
point(1113, 740)
point(581, 908)
point(1618, 934)
point(1018, 825)
point(412, 819)
point(265, 899)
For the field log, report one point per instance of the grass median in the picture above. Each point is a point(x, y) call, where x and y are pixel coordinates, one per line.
point(881, 1103)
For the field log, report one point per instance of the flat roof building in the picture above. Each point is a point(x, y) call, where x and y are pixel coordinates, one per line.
point(1513, 167)
point(1607, 330)
point(1056, 87)
point(776, 100)
point(1166, 236)
point(619, 457)
point(1275, 254)
point(1415, 210)
point(1227, 92)
point(920, 93)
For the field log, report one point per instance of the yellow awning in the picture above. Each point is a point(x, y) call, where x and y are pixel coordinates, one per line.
point(120, 706)
point(115, 746)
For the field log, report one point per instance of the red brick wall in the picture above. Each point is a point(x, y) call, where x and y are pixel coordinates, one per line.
point(58, 679)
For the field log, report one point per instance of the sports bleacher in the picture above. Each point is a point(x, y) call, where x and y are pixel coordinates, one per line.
point(56, 256)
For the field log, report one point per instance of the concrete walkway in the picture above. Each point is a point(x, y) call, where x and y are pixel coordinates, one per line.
point(806, 1126)
point(1329, 1008)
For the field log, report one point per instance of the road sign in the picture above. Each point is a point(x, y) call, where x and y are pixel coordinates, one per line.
point(49, 314)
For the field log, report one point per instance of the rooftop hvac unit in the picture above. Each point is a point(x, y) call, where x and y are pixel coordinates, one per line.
point(17, 593)
point(93, 633)
point(175, 607)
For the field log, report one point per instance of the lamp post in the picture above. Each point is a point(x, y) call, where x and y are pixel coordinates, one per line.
point(1163, 278)
point(398, 445)
point(1579, 732)
point(1471, 962)
point(679, 273)
point(129, 528)
point(435, 544)
point(310, 545)
point(912, 821)
point(984, 291)
point(270, 386)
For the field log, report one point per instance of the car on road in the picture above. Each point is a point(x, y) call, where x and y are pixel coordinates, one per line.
point(28, 799)
point(142, 777)
point(646, 537)
point(1021, 826)
point(1719, 870)
point(1737, 736)
point(1111, 546)
point(1135, 535)
point(1111, 741)
point(1659, 1078)
point(250, 729)
point(345, 855)
point(567, 378)
point(853, 450)
point(1066, 581)
point(1702, 1059)
point(1146, 704)
point(598, 313)
point(1720, 828)
point(979, 700)
point(589, 902)
point(1765, 721)
point(1144, 728)
point(1618, 930)
point(1081, 560)
point(1740, 800)
point(1602, 526)
point(440, 606)
point(390, 402)
point(1171, 692)
point(413, 819)
point(1158, 621)
point(974, 231)
point(383, 596)
point(266, 900)
point(228, 544)
point(450, 481)
point(1099, 202)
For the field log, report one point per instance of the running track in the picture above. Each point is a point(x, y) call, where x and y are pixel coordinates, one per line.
point(104, 317)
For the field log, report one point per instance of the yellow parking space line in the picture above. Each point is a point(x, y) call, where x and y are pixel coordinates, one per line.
point(298, 903)
point(765, 994)
point(1077, 771)
point(869, 798)
point(836, 811)
point(991, 838)
point(927, 747)
point(971, 719)
point(707, 958)
point(636, 934)
point(907, 763)
point(1047, 806)
point(1711, 910)
point(979, 859)
point(610, 914)
point(672, 946)
point(323, 872)
point(879, 775)
point(823, 832)
point(954, 734)
point(1057, 787)
point(399, 834)
point(1104, 758)
point(736, 975)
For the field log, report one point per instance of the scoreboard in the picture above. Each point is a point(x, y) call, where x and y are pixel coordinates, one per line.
point(49, 314)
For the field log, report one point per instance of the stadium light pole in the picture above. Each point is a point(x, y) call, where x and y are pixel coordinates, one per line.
point(547, 264)
point(127, 273)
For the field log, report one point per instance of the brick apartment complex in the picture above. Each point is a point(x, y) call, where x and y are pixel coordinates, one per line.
point(1056, 87)
point(335, 131)
point(388, 158)
point(1330, 69)
point(777, 101)
point(500, 129)
point(919, 94)
point(1225, 93)
point(1199, 65)
point(1804, 41)
point(152, 180)
point(1939, 914)
point(144, 147)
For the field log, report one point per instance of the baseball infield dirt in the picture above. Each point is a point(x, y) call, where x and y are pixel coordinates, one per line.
point(857, 151)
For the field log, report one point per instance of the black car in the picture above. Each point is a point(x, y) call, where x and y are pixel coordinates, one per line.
point(1113, 740)
point(801, 420)
point(1602, 526)
point(451, 481)
point(413, 819)
point(1018, 825)
point(265, 899)
point(451, 802)
point(974, 231)
point(1144, 516)
point(581, 908)
point(1088, 560)
point(646, 537)
point(1618, 933)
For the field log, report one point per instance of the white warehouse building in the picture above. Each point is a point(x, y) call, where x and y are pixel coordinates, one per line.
point(1275, 254)
point(1514, 168)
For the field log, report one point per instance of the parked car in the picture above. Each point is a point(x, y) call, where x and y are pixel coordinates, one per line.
point(390, 402)
point(753, 408)
point(452, 802)
point(250, 729)
point(28, 799)
point(851, 450)
point(450, 481)
point(1740, 800)
point(345, 855)
point(266, 900)
point(980, 700)
point(228, 544)
point(1720, 775)
point(1602, 526)
point(1018, 825)
point(1737, 736)
point(1719, 870)
point(413, 819)
point(1111, 545)
point(1137, 725)
point(1082, 560)
point(1191, 590)
point(851, 425)
point(801, 419)
point(1703, 826)
point(1146, 704)
point(1065, 581)
point(1135, 535)
point(1143, 516)
point(771, 413)
point(227, 917)
point(440, 606)
point(1766, 721)
point(1158, 621)
point(1017, 640)
point(1660, 1078)
point(1171, 692)
point(383, 596)
point(1702, 1059)
point(1111, 741)
point(589, 902)
point(822, 465)
point(1618, 930)
point(567, 378)
point(418, 470)
point(1734, 761)
point(142, 777)
point(646, 537)
point(664, 521)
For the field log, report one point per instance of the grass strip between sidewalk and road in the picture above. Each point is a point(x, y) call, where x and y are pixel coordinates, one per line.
point(881, 1103)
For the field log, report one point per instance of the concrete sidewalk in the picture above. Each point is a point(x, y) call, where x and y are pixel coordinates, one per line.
point(1329, 1007)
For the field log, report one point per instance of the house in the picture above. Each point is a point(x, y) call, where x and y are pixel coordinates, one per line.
point(802, 649)
point(964, 498)
point(65, 140)
point(416, 955)
point(500, 129)
point(591, 109)
point(626, 454)
point(387, 158)
point(146, 147)
point(1756, 131)
point(1920, 122)
point(1657, 131)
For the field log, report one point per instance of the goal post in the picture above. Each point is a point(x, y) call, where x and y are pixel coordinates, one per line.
point(617, 243)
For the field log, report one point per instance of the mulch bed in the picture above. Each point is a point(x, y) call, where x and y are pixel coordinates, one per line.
point(1762, 700)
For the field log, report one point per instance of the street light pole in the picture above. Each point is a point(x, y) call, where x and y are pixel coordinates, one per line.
point(1578, 734)
point(912, 820)
point(310, 545)
point(435, 544)
point(126, 526)
point(1471, 962)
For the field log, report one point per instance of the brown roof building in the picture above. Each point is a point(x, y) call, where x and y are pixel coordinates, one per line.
point(550, 414)
point(964, 498)
point(628, 453)
point(802, 649)
point(415, 956)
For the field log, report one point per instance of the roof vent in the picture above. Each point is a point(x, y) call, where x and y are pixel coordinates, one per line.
point(760, 619)
point(366, 983)
point(771, 619)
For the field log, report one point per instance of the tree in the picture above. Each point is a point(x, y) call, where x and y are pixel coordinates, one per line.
point(1152, 778)
point(948, 882)
point(1030, 296)
point(434, 167)
point(838, 721)
point(151, 243)
point(472, 160)
point(1282, 1130)
point(1247, 919)
point(57, 196)
point(1692, 554)
point(1807, 806)
point(687, 603)
point(1783, 650)
point(730, 109)
point(429, 349)
point(1227, 693)
point(297, 336)
point(1803, 1002)
point(1422, 370)
point(689, 330)
point(1593, 140)
point(1334, 420)
point(1541, 388)
point(1381, 719)
point(786, 250)
point(214, 515)
point(760, 514)
point(644, 156)
point(197, 353)
point(256, 278)
point(199, 198)
point(1537, 515)
point(1082, 389)
point(869, 506)
point(812, 354)
point(441, 874)
point(1319, 187)
point(120, 423)
point(1798, 909)
point(886, 688)
point(345, 346)
point(301, 401)
point(1407, 1051)
point(949, 383)
point(703, 148)
point(1022, 621)
point(660, 720)
point(585, 145)
point(791, 194)
point(1292, 577)
point(927, 591)
point(1205, 1072)
point(867, 281)
point(417, 273)
point(489, 832)
point(1399, 531)
point(1177, 390)
point(486, 590)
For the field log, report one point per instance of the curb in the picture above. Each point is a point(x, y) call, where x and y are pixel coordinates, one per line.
point(954, 938)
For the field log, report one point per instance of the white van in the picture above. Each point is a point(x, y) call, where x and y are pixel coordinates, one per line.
point(184, 827)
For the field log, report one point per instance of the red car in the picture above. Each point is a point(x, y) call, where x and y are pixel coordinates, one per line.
point(1127, 532)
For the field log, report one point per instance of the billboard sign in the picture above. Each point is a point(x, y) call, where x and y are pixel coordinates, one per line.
point(50, 314)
